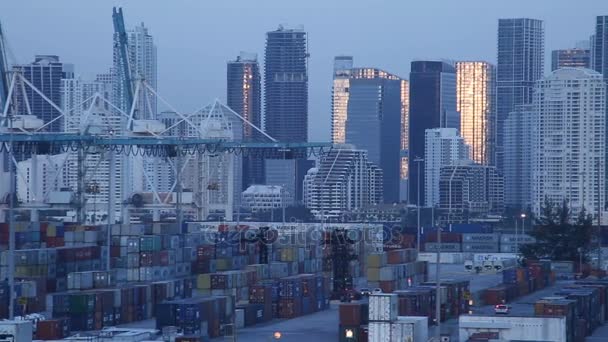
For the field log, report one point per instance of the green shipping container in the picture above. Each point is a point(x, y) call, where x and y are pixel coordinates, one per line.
point(150, 243)
point(82, 303)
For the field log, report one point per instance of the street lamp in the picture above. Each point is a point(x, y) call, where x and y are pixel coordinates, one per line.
point(523, 223)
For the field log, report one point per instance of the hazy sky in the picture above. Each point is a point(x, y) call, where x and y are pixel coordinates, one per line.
point(195, 38)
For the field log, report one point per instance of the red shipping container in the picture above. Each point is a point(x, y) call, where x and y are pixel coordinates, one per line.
point(164, 258)
point(388, 286)
point(290, 307)
point(350, 314)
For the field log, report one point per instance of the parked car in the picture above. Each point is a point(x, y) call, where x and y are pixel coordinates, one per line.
point(365, 292)
point(501, 309)
point(377, 290)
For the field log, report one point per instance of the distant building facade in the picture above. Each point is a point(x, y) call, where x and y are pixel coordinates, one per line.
point(432, 104)
point(443, 147)
point(344, 180)
point(374, 123)
point(45, 73)
point(244, 96)
point(569, 141)
point(476, 86)
point(570, 58)
point(470, 190)
point(263, 197)
point(517, 169)
point(343, 66)
point(521, 57)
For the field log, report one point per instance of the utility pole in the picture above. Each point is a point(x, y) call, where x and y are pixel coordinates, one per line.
point(418, 160)
point(11, 224)
point(111, 191)
point(599, 219)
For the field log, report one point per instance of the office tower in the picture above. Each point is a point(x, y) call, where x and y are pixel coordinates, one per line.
point(470, 190)
point(570, 58)
point(600, 46)
point(521, 56)
point(339, 103)
point(143, 66)
point(344, 180)
point(286, 85)
point(373, 123)
point(517, 169)
point(569, 140)
point(432, 105)
point(244, 96)
point(45, 73)
point(443, 147)
point(476, 84)
point(286, 104)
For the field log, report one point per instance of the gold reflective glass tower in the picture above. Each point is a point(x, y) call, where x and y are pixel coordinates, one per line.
point(476, 103)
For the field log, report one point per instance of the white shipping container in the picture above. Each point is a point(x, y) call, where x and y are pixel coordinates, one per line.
point(80, 280)
point(562, 266)
point(379, 332)
point(387, 273)
point(420, 327)
point(517, 328)
point(383, 307)
point(20, 330)
point(239, 318)
point(402, 331)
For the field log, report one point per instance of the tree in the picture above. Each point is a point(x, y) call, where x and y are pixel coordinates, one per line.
point(559, 234)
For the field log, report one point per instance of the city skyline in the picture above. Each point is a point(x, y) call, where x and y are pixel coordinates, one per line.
point(178, 83)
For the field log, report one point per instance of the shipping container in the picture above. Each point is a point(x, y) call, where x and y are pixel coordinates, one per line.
point(383, 307)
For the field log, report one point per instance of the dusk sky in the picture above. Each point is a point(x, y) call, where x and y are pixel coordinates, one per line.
point(195, 38)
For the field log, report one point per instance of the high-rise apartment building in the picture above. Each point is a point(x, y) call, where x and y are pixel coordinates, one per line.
point(521, 56)
point(344, 180)
point(570, 58)
point(476, 84)
point(244, 96)
point(432, 104)
point(373, 123)
point(443, 147)
point(286, 85)
point(569, 140)
point(45, 73)
point(517, 169)
point(143, 66)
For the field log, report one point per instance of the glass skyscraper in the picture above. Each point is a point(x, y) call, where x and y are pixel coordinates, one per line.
point(244, 96)
point(286, 85)
point(521, 56)
point(476, 84)
point(45, 73)
point(432, 104)
point(600, 45)
point(339, 102)
point(373, 123)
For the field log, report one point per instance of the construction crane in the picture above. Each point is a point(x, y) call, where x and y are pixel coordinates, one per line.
point(122, 45)
point(4, 78)
point(341, 247)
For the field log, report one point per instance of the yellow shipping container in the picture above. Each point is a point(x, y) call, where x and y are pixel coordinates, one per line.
point(373, 274)
point(51, 231)
point(203, 281)
point(223, 264)
point(375, 260)
point(287, 254)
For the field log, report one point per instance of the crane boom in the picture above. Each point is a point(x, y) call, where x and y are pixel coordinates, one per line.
point(4, 77)
point(122, 45)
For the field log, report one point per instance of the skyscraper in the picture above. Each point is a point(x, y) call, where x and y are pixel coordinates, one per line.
point(570, 58)
point(521, 56)
point(518, 157)
point(286, 85)
point(432, 103)
point(45, 73)
point(339, 101)
point(244, 96)
point(599, 45)
point(476, 84)
point(443, 147)
point(569, 143)
point(373, 123)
